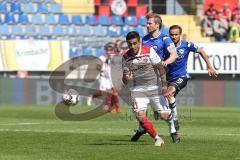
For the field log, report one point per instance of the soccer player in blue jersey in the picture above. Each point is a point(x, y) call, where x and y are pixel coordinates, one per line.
point(177, 75)
point(161, 42)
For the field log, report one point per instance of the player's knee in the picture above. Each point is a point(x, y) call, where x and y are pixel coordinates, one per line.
point(141, 116)
point(172, 90)
point(164, 114)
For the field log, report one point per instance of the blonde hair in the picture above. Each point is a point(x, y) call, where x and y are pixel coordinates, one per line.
point(157, 18)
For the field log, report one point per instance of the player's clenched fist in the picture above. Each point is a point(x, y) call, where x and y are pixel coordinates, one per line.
point(127, 75)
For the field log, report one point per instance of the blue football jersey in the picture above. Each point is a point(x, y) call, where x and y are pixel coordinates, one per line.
point(160, 44)
point(179, 67)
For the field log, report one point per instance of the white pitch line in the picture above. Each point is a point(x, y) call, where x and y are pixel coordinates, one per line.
point(77, 131)
point(20, 123)
point(229, 134)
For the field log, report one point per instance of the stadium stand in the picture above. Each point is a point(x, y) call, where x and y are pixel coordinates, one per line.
point(104, 20)
point(75, 20)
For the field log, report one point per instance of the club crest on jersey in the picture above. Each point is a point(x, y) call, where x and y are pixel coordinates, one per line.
point(155, 47)
point(180, 53)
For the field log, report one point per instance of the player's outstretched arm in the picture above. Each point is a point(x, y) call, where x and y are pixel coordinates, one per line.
point(173, 55)
point(211, 70)
point(163, 76)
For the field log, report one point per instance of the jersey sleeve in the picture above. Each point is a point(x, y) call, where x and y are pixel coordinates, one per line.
point(154, 58)
point(192, 47)
point(168, 42)
point(103, 58)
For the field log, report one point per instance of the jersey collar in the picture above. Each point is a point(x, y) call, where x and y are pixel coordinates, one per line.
point(179, 44)
point(153, 38)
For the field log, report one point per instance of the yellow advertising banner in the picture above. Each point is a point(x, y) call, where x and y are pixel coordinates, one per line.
point(32, 55)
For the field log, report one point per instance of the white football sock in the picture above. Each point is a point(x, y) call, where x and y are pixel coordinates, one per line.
point(173, 106)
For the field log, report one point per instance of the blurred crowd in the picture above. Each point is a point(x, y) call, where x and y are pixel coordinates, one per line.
point(223, 25)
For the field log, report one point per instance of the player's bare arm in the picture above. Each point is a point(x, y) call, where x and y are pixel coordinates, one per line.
point(163, 76)
point(173, 55)
point(211, 70)
point(127, 75)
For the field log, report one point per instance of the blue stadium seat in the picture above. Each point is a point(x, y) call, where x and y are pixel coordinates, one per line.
point(90, 20)
point(15, 8)
point(87, 51)
point(130, 20)
point(55, 8)
point(124, 30)
point(9, 19)
point(44, 32)
point(42, 8)
point(142, 21)
point(77, 20)
point(164, 30)
point(49, 1)
point(31, 31)
point(73, 52)
point(17, 31)
point(10, 1)
point(50, 19)
point(36, 19)
point(85, 31)
point(37, 1)
point(4, 32)
point(28, 8)
point(140, 30)
point(98, 31)
point(3, 8)
point(104, 20)
point(22, 1)
point(71, 31)
point(23, 19)
point(99, 52)
point(58, 31)
point(63, 19)
point(117, 20)
point(112, 32)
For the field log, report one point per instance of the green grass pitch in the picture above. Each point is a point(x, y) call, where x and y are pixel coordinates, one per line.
point(34, 133)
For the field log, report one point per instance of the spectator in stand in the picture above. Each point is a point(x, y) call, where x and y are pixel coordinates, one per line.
point(206, 27)
point(236, 12)
point(226, 12)
point(233, 35)
point(118, 47)
point(211, 12)
point(220, 28)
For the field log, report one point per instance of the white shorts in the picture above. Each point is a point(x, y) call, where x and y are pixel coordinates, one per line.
point(105, 84)
point(142, 99)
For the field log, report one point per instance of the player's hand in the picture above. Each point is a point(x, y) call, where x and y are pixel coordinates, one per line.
point(99, 67)
point(168, 93)
point(127, 74)
point(164, 63)
point(212, 72)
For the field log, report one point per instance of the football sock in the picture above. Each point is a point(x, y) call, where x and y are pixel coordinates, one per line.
point(173, 107)
point(171, 125)
point(115, 100)
point(108, 102)
point(148, 126)
point(140, 128)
